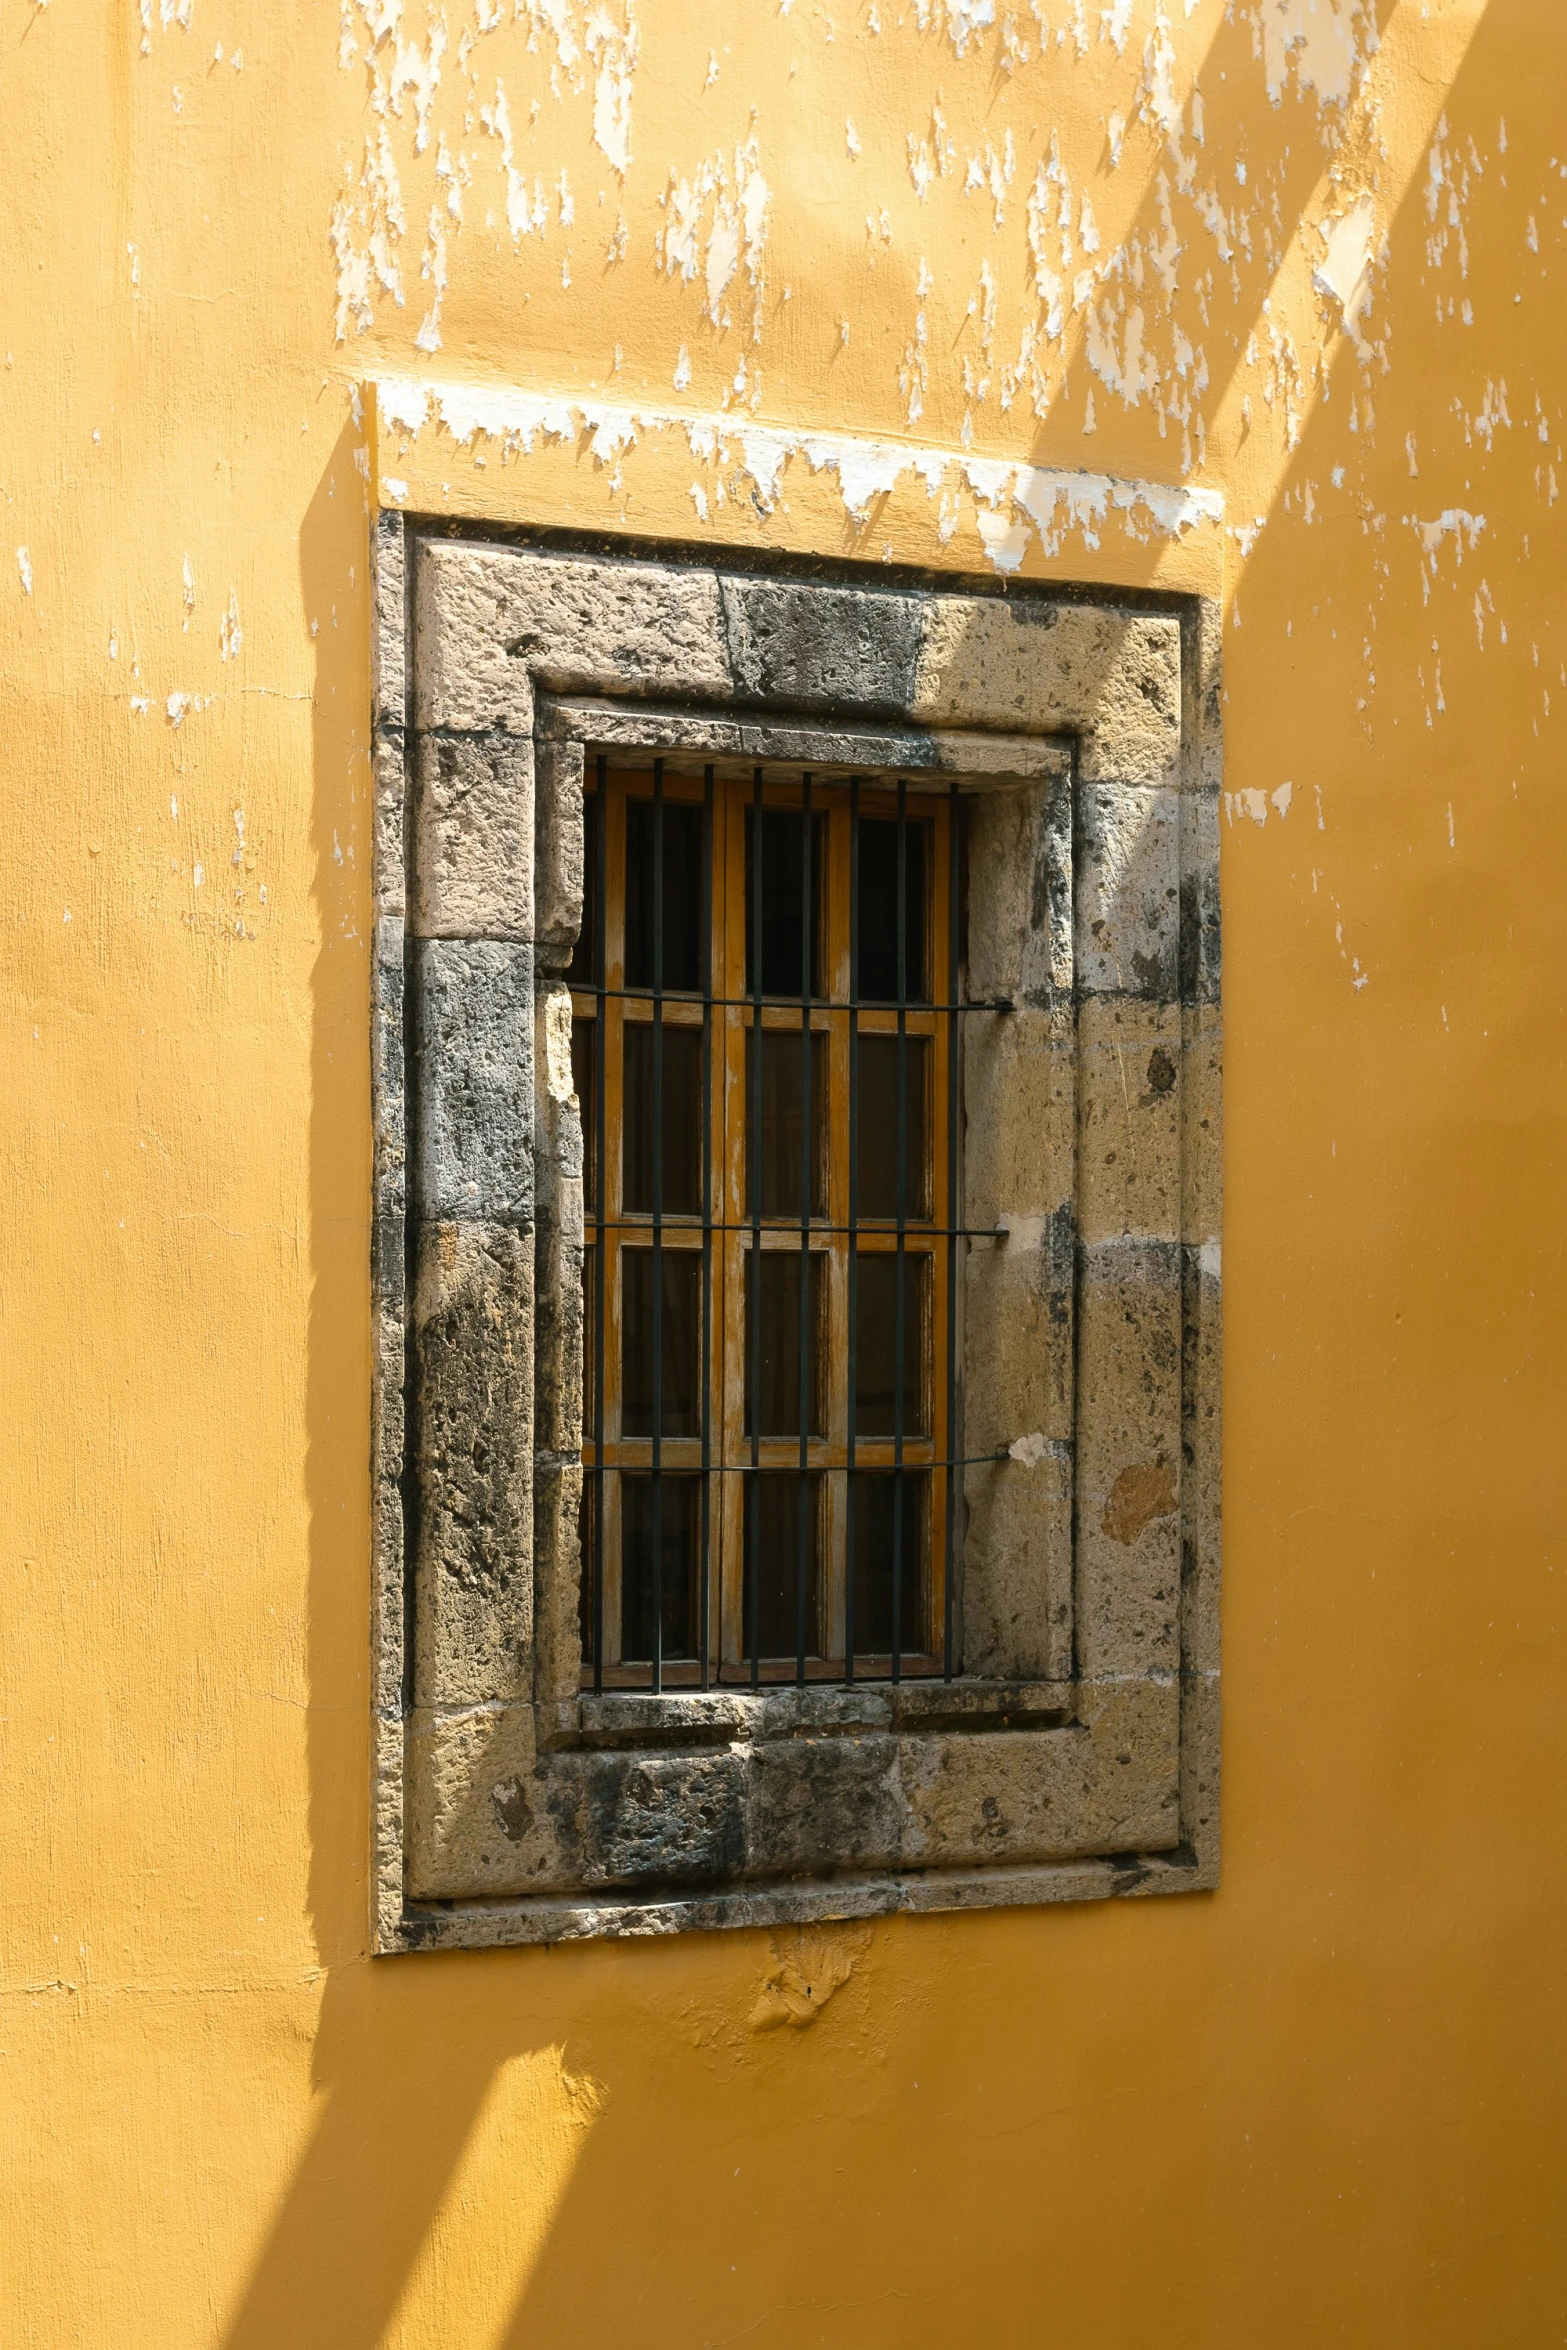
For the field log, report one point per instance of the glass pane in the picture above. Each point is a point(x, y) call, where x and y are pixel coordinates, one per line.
point(677, 1404)
point(876, 1121)
point(583, 968)
point(780, 1343)
point(878, 910)
point(590, 1323)
point(792, 920)
point(583, 1047)
point(673, 1598)
point(783, 1122)
point(885, 1529)
point(586, 1519)
point(876, 1344)
point(682, 894)
point(773, 1502)
point(682, 1120)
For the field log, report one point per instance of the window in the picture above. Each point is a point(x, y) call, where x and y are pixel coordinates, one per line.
point(796, 1268)
point(764, 1001)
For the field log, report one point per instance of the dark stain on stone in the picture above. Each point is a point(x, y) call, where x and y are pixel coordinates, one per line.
point(512, 1809)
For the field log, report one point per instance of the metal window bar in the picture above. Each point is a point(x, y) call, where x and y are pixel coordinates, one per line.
point(752, 1286)
point(658, 1225)
point(954, 1113)
point(951, 1458)
point(705, 1600)
point(735, 1003)
point(807, 1341)
point(600, 1203)
point(850, 1555)
point(899, 1301)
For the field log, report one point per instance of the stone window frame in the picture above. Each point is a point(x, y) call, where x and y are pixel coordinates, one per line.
point(1077, 1756)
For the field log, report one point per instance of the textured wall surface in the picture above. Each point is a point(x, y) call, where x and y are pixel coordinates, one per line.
point(1158, 292)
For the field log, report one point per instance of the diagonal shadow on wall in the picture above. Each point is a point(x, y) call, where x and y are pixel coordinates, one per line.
point(407, 2053)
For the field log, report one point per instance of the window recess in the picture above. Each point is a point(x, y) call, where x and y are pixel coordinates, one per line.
point(766, 1010)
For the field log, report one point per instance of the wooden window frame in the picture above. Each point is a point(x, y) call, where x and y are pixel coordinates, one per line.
point(727, 1456)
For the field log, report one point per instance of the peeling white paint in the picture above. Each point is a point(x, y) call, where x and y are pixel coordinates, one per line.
point(614, 50)
point(1455, 522)
point(1344, 271)
point(24, 565)
point(1326, 43)
point(1009, 497)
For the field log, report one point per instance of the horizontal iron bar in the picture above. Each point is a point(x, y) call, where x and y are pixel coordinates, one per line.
point(885, 1229)
point(771, 1003)
point(858, 1468)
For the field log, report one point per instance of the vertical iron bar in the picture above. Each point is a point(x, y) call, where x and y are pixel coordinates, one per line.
point(753, 1176)
point(705, 1601)
point(899, 1307)
point(805, 1218)
point(952, 1447)
point(658, 1224)
point(600, 1206)
point(854, 1219)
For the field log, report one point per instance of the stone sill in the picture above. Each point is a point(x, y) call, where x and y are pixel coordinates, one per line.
point(690, 1718)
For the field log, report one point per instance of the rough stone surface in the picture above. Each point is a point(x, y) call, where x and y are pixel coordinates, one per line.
point(1018, 1357)
point(809, 646)
point(1129, 1103)
point(1200, 1479)
point(472, 1830)
point(1128, 892)
point(559, 869)
point(473, 1060)
point(1078, 1756)
point(825, 1802)
point(1200, 949)
point(1022, 1796)
point(473, 1451)
point(1202, 1110)
point(388, 1052)
point(557, 1571)
point(389, 639)
point(496, 1816)
point(492, 623)
point(1114, 678)
point(1020, 1108)
point(473, 837)
point(1019, 846)
point(1017, 1586)
point(391, 804)
point(1129, 1460)
point(389, 1420)
point(734, 744)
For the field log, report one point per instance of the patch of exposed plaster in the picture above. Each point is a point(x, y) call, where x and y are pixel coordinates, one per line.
point(1326, 44)
point(809, 1966)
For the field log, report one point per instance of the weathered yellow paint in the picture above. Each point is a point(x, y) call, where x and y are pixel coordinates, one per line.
point(1324, 2105)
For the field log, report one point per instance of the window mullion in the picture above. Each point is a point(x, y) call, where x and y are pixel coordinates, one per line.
point(836, 967)
point(807, 1182)
point(852, 1237)
point(704, 1598)
point(753, 1185)
point(947, 1094)
point(900, 1303)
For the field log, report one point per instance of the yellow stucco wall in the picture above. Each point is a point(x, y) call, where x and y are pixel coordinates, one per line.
point(1311, 267)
